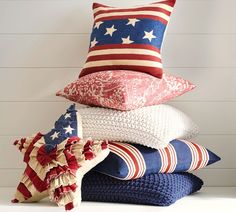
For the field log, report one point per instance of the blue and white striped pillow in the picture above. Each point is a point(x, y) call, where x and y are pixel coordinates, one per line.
point(131, 161)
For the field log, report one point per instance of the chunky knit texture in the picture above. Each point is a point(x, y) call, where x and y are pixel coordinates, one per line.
point(153, 126)
point(153, 189)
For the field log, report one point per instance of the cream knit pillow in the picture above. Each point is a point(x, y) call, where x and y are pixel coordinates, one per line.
point(153, 126)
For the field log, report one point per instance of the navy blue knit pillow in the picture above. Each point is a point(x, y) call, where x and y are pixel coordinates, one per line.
point(153, 189)
point(131, 161)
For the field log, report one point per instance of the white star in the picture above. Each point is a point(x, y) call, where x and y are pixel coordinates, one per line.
point(93, 43)
point(68, 129)
point(97, 24)
point(127, 40)
point(110, 30)
point(55, 135)
point(68, 115)
point(132, 21)
point(149, 35)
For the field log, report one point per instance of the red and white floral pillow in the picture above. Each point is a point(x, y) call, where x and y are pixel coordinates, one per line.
point(124, 90)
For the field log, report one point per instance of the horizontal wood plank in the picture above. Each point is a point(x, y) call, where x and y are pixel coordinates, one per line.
point(211, 177)
point(217, 177)
point(40, 84)
point(35, 84)
point(191, 16)
point(43, 50)
point(212, 84)
point(222, 145)
point(70, 50)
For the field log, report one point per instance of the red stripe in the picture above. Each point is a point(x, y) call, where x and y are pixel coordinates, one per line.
point(173, 158)
point(128, 46)
point(123, 57)
point(132, 157)
point(34, 178)
point(22, 141)
point(71, 161)
point(141, 159)
point(162, 156)
point(58, 192)
point(207, 157)
point(168, 2)
point(24, 190)
point(96, 5)
point(31, 146)
point(148, 8)
point(16, 142)
point(104, 145)
point(157, 18)
point(168, 160)
point(69, 206)
point(156, 72)
point(15, 201)
point(88, 151)
point(199, 155)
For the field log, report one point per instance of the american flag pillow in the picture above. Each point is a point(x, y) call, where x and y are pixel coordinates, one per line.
point(57, 161)
point(128, 38)
point(131, 161)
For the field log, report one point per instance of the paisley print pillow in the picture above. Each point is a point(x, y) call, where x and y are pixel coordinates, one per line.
point(124, 90)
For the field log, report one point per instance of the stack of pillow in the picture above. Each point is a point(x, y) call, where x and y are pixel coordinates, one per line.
point(124, 82)
point(142, 151)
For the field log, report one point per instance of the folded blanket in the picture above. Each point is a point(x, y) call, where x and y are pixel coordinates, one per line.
point(152, 189)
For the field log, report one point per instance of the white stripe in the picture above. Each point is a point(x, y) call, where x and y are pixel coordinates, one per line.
point(124, 51)
point(205, 157)
point(129, 148)
point(164, 160)
point(192, 165)
point(198, 156)
point(139, 158)
point(131, 62)
point(162, 6)
point(173, 158)
point(141, 162)
point(126, 158)
point(194, 156)
point(27, 182)
point(169, 162)
point(152, 13)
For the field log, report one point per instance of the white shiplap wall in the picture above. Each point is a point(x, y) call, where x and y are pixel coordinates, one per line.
point(43, 44)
